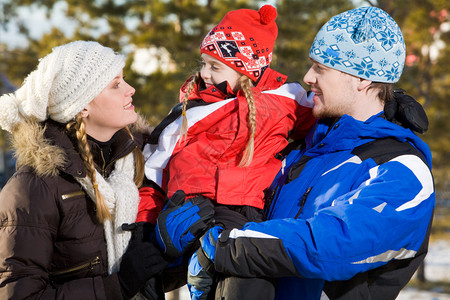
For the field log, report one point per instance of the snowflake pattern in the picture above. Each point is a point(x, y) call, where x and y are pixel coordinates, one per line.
point(350, 54)
point(320, 42)
point(337, 22)
point(387, 39)
point(339, 38)
point(238, 36)
point(378, 54)
point(329, 58)
point(398, 52)
point(255, 64)
point(220, 35)
point(364, 68)
point(207, 40)
point(383, 63)
point(247, 51)
point(371, 48)
point(392, 74)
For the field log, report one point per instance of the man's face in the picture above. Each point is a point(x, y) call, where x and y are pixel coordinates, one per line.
point(334, 91)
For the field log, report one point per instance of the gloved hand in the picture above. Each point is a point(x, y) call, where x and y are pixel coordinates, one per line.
point(181, 223)
point(141, 261)
point(153, 289)
point(407, 112)
point(201, 265)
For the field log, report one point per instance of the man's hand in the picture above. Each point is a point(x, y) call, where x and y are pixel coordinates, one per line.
point(181, 223)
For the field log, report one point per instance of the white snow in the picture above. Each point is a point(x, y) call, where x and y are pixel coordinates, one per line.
point(437, 268)
point(437, 261)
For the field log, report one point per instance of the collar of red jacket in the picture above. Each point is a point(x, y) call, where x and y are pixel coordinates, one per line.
point(270, 80)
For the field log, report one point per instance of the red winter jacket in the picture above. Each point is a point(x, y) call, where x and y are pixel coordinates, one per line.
point(206, 161)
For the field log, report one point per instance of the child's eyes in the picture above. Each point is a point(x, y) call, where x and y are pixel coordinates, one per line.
point(213, 67)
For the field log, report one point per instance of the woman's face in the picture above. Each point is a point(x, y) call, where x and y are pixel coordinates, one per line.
point(111, 110)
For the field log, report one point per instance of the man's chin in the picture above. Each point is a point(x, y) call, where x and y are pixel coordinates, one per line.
point(323, 114)
point(319, 113)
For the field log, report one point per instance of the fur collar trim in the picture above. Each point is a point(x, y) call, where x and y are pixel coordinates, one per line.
point(46, 148)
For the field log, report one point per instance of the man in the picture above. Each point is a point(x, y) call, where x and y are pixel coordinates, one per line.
point(349, 216)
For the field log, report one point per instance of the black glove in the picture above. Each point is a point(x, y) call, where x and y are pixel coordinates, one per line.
point(181, 223)
point(406, 111)
point(142, 260)
point(154, 288)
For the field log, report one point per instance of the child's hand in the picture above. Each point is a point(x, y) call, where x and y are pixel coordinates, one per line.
point(181, 223)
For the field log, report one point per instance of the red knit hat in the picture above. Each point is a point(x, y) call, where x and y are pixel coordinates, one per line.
point(244, 40)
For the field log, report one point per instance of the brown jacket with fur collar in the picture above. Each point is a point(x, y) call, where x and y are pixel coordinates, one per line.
point(51, 244)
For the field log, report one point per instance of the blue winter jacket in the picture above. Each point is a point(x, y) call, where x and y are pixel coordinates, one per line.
point(351, 212)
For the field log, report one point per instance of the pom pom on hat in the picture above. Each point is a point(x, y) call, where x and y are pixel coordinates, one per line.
point(365, 42)
point(268, 14)
point(244, 40)
point(9, 112)
point(64, 82)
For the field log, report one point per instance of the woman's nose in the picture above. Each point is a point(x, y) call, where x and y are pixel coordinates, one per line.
point(131, 90)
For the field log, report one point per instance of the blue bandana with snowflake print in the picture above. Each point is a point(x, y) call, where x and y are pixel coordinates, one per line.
point(365, 42)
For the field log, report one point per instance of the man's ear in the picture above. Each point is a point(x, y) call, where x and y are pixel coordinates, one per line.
point(363, 84)
point(84, 113)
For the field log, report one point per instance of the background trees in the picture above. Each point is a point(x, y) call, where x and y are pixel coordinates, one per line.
point(161, 38)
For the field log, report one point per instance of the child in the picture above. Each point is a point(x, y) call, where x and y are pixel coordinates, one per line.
point(235, 115)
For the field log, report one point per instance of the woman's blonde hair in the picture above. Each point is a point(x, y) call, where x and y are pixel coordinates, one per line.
point(246, 85)
point(78, 128)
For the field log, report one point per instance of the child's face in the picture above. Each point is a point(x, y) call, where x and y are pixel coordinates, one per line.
point(214, 71)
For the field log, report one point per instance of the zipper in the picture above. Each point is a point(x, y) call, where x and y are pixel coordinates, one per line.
point(74, 194)
point(272, 198)
point(89, 265)
point(269, 199)
point(303, 201)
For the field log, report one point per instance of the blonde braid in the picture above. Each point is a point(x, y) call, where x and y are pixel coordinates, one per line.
point(246, 85)
point(78, 125)
point(184, 124)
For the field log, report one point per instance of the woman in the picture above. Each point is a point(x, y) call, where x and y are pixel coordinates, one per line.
point(78, 167)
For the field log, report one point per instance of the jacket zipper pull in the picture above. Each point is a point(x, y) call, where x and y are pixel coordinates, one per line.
point(303, 201)
point(93, 263)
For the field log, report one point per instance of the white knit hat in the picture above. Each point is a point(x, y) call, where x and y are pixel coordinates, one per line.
point(64, 82)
